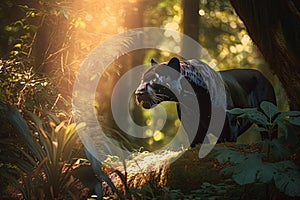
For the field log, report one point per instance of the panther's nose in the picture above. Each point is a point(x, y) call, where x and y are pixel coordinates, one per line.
point(141, 89)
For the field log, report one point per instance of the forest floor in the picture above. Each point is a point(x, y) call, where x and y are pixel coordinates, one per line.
point(183, 175)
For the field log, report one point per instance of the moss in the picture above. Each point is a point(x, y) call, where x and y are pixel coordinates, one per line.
point(189, 172)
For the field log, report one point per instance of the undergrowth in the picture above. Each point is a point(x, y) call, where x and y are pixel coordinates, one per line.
point(271, 162)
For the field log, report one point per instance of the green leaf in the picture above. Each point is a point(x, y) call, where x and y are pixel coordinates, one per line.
point(257, 118)
point(288, 178)
point(284, 115)
point(252, 170)
point(294, 113)
point(294, 120)
point(18, 45)
point(239, 111)
point(269, 109)
point(19, 22)
point(245, 172)
point(245, 177)
point(281, 124)
point(265, 172)
point(252, 114)
point(261, 129)
point(223, 154)
point(285, 165)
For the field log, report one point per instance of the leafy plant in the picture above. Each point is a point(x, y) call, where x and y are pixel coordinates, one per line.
point(268, 118)
point(271, 160)
point(17, 29)
point(40, 163)
point(206, 191)
point(22, 87)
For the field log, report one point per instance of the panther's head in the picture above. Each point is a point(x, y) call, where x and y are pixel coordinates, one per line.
point(160, 83)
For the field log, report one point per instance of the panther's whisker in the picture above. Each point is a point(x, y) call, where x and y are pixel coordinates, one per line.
point(161, 95)
point(157, 98)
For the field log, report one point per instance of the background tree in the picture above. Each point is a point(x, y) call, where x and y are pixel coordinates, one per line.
point(274, 26)
point(190, 20)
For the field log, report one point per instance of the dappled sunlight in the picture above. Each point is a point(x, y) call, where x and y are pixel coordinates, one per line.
point(146, 161)
point(78, 27)
point(90, 22)
point(64, 129)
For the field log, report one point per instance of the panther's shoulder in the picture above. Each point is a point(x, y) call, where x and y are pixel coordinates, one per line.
point(197, 72)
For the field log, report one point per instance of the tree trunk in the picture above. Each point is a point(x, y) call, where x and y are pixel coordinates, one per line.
point(190, 21)
point(274, 26)
point(191, 18)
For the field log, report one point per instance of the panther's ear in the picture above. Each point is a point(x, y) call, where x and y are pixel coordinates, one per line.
point(153, 62)
point(174, 63)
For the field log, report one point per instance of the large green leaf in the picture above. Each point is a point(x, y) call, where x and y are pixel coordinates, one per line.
point(294, 120)
point(265, 172)
point(269, 109)
point(284, 115)
point(293, 113)
point(240, 111)
point(251, 170)
point(287, 180)
point(223, 154)
point(257, 118)
point(245, 172)
point(252, 114)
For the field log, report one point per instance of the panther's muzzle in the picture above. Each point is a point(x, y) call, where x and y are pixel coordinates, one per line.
point(143, 98)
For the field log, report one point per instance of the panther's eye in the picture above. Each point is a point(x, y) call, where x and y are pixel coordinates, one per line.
point(154, 80)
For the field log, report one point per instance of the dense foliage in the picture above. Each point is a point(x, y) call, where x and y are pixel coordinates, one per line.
point(38, 162)
point(42, 46)
point(271, 161)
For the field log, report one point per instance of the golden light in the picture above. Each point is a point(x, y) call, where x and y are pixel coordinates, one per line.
point(158, 135)
point(232, 38)
point(172, 26)
point(245, 39)
point(232, 49)
point(239, 48)
point(148, 122)
point(177, 122)
point(201, 12)
point(233, 25)
point(148, 133)
point(89, 17)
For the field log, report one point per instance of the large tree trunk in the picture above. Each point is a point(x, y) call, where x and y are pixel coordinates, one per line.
point(274, 26)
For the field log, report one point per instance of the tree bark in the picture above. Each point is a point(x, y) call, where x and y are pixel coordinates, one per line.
point(190, 21)
point(274, 27)
point(191, 18)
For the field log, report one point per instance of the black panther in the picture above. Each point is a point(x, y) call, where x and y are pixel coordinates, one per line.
point(245, 88)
